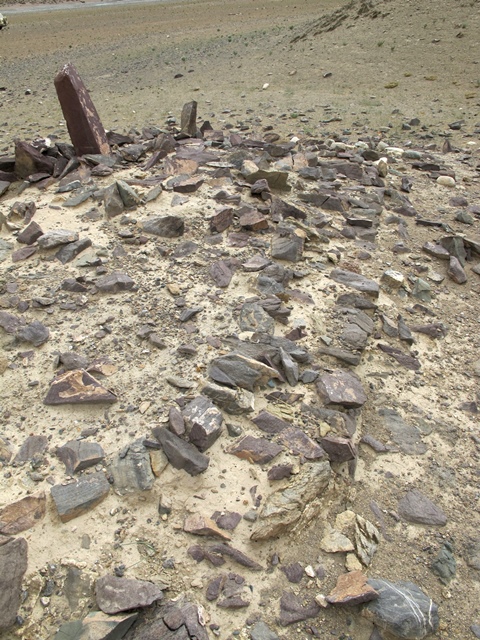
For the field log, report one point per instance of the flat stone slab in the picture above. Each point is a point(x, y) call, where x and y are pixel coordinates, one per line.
point(75, 499)
point(78, 387)
point(97, 626)
point(236, 370)
point(352, 589)
point(417, 508)
point(77, 455)
point(284, 508)
point(115, 595)
point(402, 609)
point(255, 450)
point(13, 564)
point(343, 388)
point(356, 281)
point(131, 470)
point(23, 514)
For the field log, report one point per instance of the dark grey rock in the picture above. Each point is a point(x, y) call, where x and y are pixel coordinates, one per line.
point(112, 201)
point(233, 401)
point(56, 237)
point(455, 271)
point(254, 318)
point(97, 626)
point(293, 610)
point(455, 247)
point(341, 387)
point(227, 520)
point(338, 449)
point(129, 196)
point(356, 281)
point(30, 234)
point(70, 251)
point(181, 454)
point(260, 631)
point(77, 455)
point(287, 247)
point(236, 370)
point(270, 423)
point(122, 594)
point(72, 500)
point(406, 436)
point(221, 273)
point(416, 507)
point(289, 367)
point(402, 609)
point(114, 283)
point(188, 314)
point(203, 422)
point(32, 449)
point(35, 333)
point(131, 470)
point(13, 564)
point(165, 226)
point(445, 565)
point(300, 444)
point(293, 572)
point(354, 337)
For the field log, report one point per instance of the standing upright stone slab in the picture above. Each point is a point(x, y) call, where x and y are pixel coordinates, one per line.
point(188, 121)
point(83, 123)
point(13, 564)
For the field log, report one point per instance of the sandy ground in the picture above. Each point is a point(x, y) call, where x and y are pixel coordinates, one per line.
point(129, 56)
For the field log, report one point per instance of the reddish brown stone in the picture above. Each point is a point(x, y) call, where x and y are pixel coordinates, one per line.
point(23, 514)
point(259, 450)
point(23, 253)
point(252, 219)
point(338, 449)
point(29, 160)
point(221, 220)
point(352, 588)
point(30, 234)
point(83, 123)
point(202, 526)
point(188, 185)
point(78, 387)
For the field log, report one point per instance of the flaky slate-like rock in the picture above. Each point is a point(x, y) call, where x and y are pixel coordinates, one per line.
point(165, 226)
point(292, 609)
point(255, 450)
point(83, 123)
point(284, 508)
point(23, 514)
point(233, 401)
point(181, 454)
point(416, 507)
point(356, 281)
point(35, 333)
point(97, 626)
point(341, 387)
point(131, 469)
point(402, 609)
point(115, 282)
point(77, 455)
point(13, 564)
point(236, 370)
point(75, 499)
point(115, 595)
point(56, 238)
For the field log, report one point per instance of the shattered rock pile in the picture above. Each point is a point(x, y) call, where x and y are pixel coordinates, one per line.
point(258, 307)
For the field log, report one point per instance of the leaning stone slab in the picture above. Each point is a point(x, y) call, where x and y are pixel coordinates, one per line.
point(417, 508)
point(78, 387)
point(402, 609)
point(233, 401)
point(56, 238)
point(343, 388)
point(236, 370)
point(356, 281)
point(75, 499)
point(22, 514)
point(13, 564)
point(77, 455)
point(115, 595)
point(97, 626)
point(29, 160)
point(188, 120)
point(181, 454)
point(131, 470)
point(284, 508)
point(83, 123)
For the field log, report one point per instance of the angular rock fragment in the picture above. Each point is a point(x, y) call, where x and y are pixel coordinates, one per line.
point(455, 271)
point(287, 247)
point(13, 564)
point(35, 333)
point(30, 234)
point(97, 626)
point(83, 123)
point(236, 370)
point(341, 387)
point(188, 120)
point(131, 470)
point(416, 507)
point(280, 472)
point(260, 631)
point(112, 201)
point(227, 520)
point(202, 526)
point(367, 539)
point(77, 387)
point(187, 185)
point(115, 282)
point(338, 449)
point(336, 542)
point(254, 318)
point(402, 609)
point(356, 281)
point(115, 595)
point(292, 610)
point(445, 565)
point(221, 273)
point(285, 507)
point(165, 226)
point(77, 455)
point(181, 454)
point(56, 238)
point(221, 220)
point(75, 499)
point(23, 514)
point(300, 444)
point(203, 421)
point(29, 160)
point(255, 450)
point(406, 436)
point(269, 423)
point(352, 589)
point(70, 251)
point(233, 401)
point(406, 360)
point(32, 449)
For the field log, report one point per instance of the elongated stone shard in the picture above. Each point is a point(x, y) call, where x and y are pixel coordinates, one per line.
point(83, 122)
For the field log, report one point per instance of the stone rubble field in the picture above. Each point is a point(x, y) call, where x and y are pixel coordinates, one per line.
point(239, 383)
